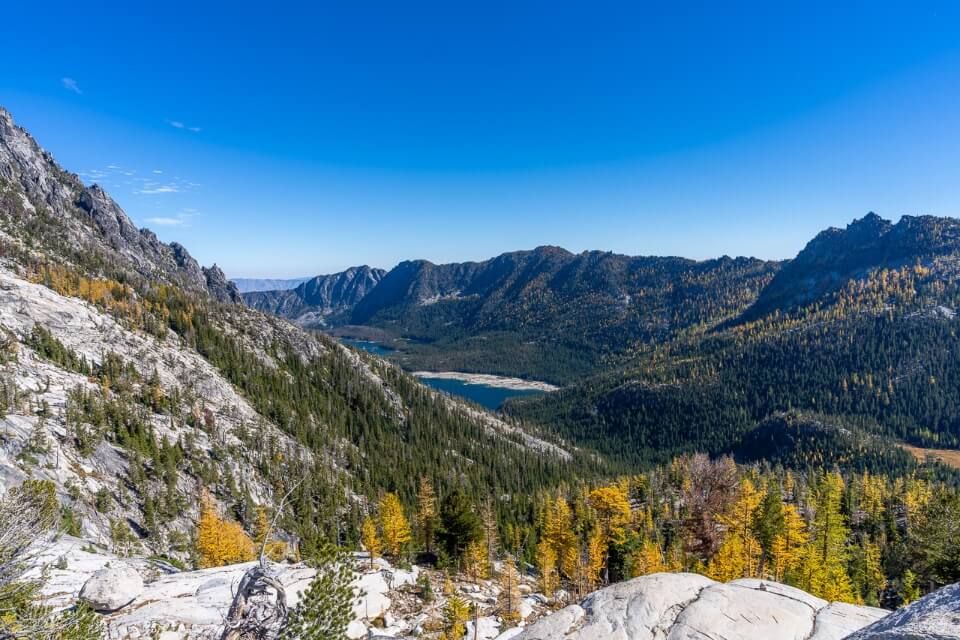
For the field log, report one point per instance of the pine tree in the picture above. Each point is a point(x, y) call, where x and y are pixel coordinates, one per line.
point(325, 608)
point(393, 525)
point(460, 523)
point(824, 571)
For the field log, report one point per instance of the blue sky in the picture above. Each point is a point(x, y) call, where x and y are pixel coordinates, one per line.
point(286, 140)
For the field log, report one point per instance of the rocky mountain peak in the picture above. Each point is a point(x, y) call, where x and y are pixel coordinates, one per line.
point(85, 221)
point(219, 286)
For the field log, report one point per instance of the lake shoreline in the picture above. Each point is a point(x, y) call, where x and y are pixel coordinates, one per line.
point(500, 382)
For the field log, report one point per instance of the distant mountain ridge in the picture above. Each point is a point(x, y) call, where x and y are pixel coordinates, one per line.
point(312, 301)
point(835, 256)
point(544, 312)
point(249, 285)
point(859, 333)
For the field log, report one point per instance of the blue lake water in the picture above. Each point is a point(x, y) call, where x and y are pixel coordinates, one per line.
point(369, 346)
point(482, 394)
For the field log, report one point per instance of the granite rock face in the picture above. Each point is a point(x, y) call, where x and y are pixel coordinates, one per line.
point(684, 606)
point(933, 617)
point(71, 219)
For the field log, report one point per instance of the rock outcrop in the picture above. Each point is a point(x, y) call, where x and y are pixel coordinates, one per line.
point(81, 222)
point(933, 617)
point(191, 605)
point(685, 606)
point(112, 587)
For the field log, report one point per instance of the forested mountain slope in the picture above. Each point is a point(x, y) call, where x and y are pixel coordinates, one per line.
point(860, 326)
point(131, 377)
point(546, 313)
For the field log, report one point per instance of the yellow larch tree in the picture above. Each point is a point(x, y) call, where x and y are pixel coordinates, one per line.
point(648, 559)
point(510, 591)
point(547, 565)
point(456, 612)
point(787, 547)
point(276, 550)
point(220, 541)
point(558, 531)
point(426, 514)
point(823, 569)
point(369, 538)
point(597, 544)
point(475, 562)
point(739, 554)
point(393, 525)
point(612, 509)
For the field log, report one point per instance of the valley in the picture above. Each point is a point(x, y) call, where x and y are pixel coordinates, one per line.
point(480, 321)
point(625, 418)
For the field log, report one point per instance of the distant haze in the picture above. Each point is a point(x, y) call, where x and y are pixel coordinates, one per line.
point(248, 285)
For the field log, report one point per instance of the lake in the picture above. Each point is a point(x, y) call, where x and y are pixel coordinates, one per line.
point(369, 346)
point(484, 395)
point(489, 396)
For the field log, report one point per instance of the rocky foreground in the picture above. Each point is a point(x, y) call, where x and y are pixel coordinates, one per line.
point(141, 598)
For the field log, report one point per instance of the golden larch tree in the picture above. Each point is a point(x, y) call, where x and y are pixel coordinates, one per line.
point(426, 514)
point(220, 541)
point(369, 538)
point(393, 525)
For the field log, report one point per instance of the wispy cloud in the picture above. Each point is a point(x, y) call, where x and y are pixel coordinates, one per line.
point(180, 219)
point(179, 124)
point(148, 190)
point(71, 85)
point(166, 222)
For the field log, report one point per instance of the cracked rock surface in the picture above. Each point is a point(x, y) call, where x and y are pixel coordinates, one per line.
point(686, 606)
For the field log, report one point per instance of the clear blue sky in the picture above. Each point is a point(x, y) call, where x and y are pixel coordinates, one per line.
point(284, 140)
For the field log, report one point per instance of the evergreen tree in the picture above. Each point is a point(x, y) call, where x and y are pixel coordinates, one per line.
point(460, 524)
point(824, 571)
point(325, 608)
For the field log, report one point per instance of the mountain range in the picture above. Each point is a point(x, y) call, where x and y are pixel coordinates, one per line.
point(134, 381)
point(838, 355)
point(546, 313)
point(664, 355)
